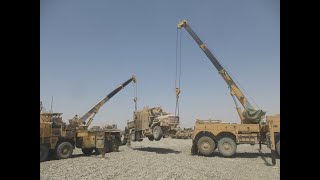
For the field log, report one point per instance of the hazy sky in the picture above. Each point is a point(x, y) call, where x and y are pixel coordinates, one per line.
point(88, 48)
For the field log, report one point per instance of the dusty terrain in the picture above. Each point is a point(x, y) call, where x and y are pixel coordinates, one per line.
point(164, 159)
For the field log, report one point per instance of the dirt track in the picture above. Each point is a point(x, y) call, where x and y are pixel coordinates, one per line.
point(164, 159)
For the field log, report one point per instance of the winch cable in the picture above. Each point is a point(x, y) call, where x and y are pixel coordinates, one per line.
point(239, 85)
point(178, 72)
point(135, 94)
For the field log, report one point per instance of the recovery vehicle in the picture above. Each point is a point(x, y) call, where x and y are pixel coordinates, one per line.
point(253, 129)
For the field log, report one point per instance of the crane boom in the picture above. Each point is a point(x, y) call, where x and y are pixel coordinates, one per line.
point(93, 111)
point(249, 115)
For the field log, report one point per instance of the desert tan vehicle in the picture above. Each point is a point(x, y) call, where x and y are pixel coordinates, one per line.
point(225, 136)
point(211, 134)
point(54, 139)
point(184, 133)
point(112, 137)
point(101, 139)
point(61, 139)
point(153, 123)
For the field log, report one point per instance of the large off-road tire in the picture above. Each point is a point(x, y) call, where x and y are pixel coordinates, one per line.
point(87, 151)
point(44, 151)
point(157, 133)
point(227, 147)
point(206, 145)
point(64, 150)
point(278, 147)
point(151, 138)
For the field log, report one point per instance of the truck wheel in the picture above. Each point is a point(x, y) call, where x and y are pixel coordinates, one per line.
point(64, 150)
point(157, 133)
point(278, 147)
point(44, 151)
point(206, 145)
point(227, 147)
point(87, 151)
point(151, 138)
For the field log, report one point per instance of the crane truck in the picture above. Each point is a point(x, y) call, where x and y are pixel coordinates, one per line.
point(60, 139)
point(211, 134)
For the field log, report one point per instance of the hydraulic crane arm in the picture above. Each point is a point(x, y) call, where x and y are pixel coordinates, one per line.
point(249, 113)
point(93, 111)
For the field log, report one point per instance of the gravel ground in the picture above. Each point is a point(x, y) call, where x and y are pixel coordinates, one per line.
point(165, 159)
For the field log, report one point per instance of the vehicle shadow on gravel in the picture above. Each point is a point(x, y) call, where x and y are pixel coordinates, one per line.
point(157, 150)
point(52, 158)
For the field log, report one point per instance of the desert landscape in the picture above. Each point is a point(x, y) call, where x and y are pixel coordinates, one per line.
point(165, 159)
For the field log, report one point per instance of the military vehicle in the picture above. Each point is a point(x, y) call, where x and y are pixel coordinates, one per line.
point(61, 139)
point(102, 140)
point(253, 129)
point(112, 135)
point(184, 133)
point(152, 123)
point(54, 139)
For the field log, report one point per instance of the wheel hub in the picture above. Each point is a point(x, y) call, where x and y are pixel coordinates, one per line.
point(205, 145)
point(226, 146)
point(65, 151)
